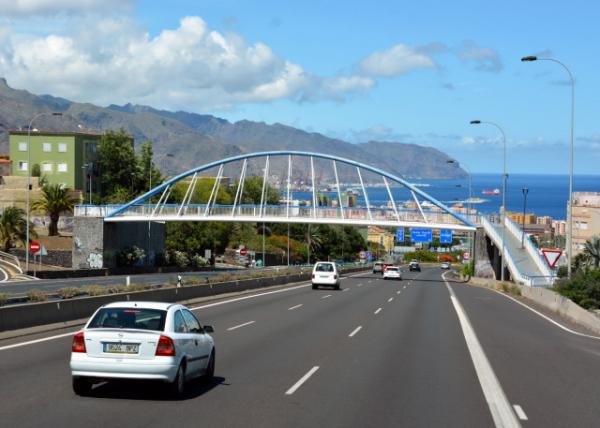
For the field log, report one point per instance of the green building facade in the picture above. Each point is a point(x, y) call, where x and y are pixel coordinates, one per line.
point(67, 158)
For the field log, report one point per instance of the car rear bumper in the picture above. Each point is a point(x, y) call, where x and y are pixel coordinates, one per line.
point(164, 369)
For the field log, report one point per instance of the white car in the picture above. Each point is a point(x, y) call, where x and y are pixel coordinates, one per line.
point(325, 273)
point(142, 340)
point(445, 265)
point(392, 272)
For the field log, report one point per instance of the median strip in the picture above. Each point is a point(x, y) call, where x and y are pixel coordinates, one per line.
point(235, 327)
point(303, 379)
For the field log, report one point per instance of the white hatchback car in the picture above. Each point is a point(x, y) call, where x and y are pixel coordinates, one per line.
point(392, 272)
point(325, 273)
point(142, 340)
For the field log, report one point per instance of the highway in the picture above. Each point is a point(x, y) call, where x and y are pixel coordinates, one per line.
point(374, 354)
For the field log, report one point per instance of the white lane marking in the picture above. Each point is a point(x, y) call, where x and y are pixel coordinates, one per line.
point(390, 299)
point(31, 342)
point(356, 330)
point(500, 408)
point(235, 327)
point(303, 379)
point(3, 272)
point(547, 318)
point(295, 307)
point(398, 292)
point(520, 413)
point(324, 297)
point(377, 311)
point(345, 289)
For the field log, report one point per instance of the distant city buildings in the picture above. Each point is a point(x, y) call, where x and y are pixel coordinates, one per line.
point(586, 218)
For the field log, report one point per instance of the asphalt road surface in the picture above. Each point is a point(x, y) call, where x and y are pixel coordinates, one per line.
point(374, 354)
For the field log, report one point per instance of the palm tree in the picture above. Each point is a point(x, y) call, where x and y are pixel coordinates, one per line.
point(55, 200)
point(592, 249)
point(13, 227)
point(313, 240)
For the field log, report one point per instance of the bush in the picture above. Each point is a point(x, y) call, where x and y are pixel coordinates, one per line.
point(69, 292)
point(509, 288)
point(95, 290)
point(420, 255)
point(468, 269)
point(130, 256)
point(583, 288)
point(198, 261)
point(180, 259)
point(3, 299)
point(37, 296)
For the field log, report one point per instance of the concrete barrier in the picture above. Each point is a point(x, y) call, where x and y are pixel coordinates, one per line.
point(552, 301)
point(15, 317)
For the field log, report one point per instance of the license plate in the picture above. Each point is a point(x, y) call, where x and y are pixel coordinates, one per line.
point(323, 276)
point(121, 348)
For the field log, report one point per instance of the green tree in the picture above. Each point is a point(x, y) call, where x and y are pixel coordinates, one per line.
point(55, 200)
point(252, 191)
point(193, 238)
point(117, 162)
point(13, 227)
point(148, 173)
point(592, 249)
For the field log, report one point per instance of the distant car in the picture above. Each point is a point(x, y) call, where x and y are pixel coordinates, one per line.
point(446, 265)
point(142, 340)
point(325, 273)
point(392, 272)
point(414, 265)
point(378, 267)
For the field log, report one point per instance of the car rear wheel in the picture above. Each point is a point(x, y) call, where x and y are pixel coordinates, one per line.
point(178, 384)
point(314, 286)
point(82, 386)
point(210, 369)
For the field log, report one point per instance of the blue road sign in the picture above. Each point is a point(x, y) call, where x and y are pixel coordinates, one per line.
point(369, 255)
point(446, 236)
point(421, 235)
point(400, 235)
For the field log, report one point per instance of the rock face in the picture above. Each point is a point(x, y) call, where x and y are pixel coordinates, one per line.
point(183, 140)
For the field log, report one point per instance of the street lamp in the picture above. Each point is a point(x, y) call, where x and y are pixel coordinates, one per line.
point(504, 177)
point(525, 191)
point(469, 205)
point(87, 171)
point(29, 180)
point(532, 58)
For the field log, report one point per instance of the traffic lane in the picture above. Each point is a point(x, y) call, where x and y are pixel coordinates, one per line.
point(409, 366)
point(46, 366)
point(550, 373)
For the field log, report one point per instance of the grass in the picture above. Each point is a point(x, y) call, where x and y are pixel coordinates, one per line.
point(69, 292)
point(37, 296)
point(3, 298)
point(509, 288)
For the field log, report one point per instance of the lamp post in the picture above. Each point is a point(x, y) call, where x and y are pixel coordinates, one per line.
point(504, 177)
point(29, 181)
point(87, 173)
point(525, 191)
point(532, 58)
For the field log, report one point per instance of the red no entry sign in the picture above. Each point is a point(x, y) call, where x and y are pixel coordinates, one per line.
point(243, 251)
point(34, 247)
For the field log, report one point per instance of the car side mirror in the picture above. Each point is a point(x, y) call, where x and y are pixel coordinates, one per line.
point(208, 329)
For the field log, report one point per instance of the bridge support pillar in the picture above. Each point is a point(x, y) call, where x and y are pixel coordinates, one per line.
point(96, 244)
point(483, 265)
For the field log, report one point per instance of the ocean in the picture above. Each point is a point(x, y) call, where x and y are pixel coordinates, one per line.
point(548, 194)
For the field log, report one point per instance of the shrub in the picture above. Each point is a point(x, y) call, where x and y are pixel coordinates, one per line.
point(37, 296)
point(198, 261)
point(583, 288)
point(130, 256)
point(95, 290)
point(468, 269)
point(180, 259)
point(69, 292)
point(420, 255)
point(3, 299)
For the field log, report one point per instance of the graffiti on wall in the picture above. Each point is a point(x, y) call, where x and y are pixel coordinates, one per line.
point(95, 261)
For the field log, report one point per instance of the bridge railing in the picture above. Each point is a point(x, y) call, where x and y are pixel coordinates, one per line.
point(529, 247)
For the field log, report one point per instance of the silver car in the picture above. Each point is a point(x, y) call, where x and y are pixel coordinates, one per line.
point(142, 340)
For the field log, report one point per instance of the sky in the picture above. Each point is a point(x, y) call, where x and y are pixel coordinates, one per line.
point(402, 71)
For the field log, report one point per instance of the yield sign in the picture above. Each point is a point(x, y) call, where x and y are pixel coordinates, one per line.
point(551, 257)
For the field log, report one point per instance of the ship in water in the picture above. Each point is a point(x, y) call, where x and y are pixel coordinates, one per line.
point(494, 192)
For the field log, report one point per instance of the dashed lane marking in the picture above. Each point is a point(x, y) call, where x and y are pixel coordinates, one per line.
point(303, 379)
point(377, 311)
point(235, 327)
point(356, 330)
point(295, 307)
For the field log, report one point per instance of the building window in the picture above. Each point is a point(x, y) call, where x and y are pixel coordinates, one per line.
point(23, 166)
point(62, 167)
point(47, 147)
point(47, 167)
point(62, 147)
point(22, 147)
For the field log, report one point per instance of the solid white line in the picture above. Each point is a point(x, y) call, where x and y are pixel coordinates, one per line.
point(500, 408)
point(302, 380)
point(31, 342)
point(520, 413)
point(390, 299)
point(356, 330)
point(295, 307)
point(345, 289)
point(324, 297)
point(547, 318)
point(235, 327)
point(377, 311)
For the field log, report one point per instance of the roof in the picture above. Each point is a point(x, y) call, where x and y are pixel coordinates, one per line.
point(146, 305)
point(37, 132)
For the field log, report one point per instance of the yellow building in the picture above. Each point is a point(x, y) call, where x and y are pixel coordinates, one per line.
point(518, 217)
point(382, 237)
point(586, 218)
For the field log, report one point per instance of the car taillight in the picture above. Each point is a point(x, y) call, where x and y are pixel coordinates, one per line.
point(334, 276)
point(166, 347)
point(313, 276)
point(78, 344)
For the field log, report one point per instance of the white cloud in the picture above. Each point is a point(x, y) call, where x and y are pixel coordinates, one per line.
point(485, 59)
point(399, 59)
point(188, 67)
point(28, 8)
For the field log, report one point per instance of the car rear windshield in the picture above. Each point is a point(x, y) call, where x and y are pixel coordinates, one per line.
point(324, 267)
point(137, 318)
point(392, 268)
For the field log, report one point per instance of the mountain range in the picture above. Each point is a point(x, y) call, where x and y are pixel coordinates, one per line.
point(183, 140)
